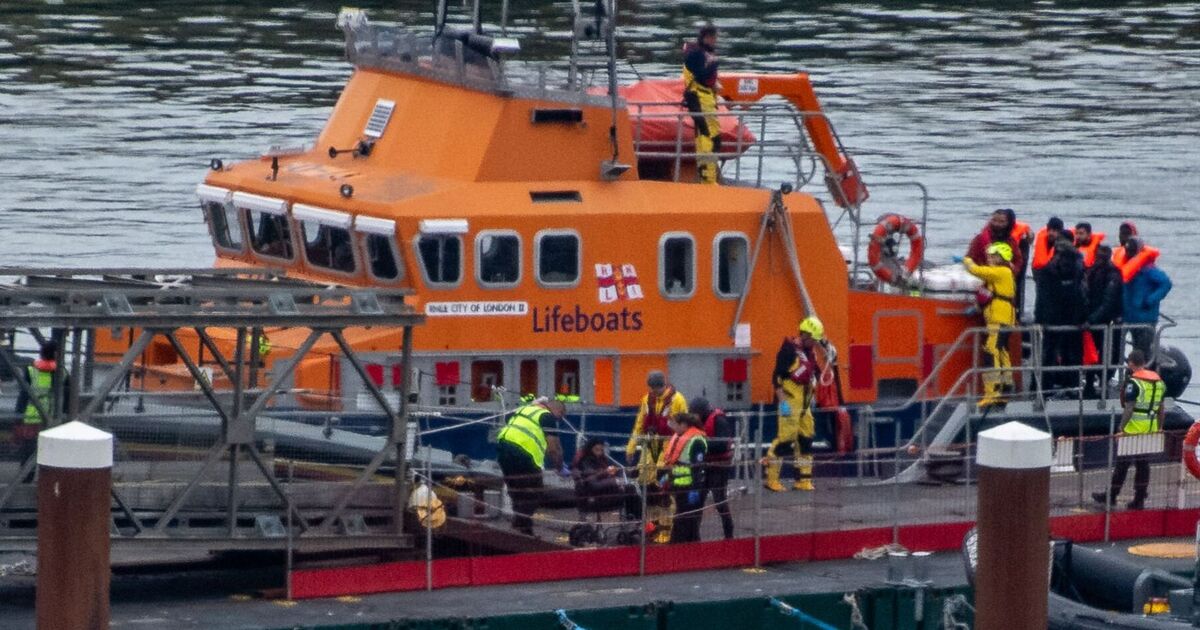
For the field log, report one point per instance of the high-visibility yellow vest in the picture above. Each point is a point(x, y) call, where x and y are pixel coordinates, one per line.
point(680, 458)
point(524, 430)
point(264, 345)
point(1151, 391)
point(40, 383)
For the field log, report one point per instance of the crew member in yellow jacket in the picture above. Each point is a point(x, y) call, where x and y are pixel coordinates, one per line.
point(651, 430)
point(795, 380)
point(997, 299)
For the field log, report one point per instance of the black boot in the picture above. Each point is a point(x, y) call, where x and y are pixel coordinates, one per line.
point(1102, 497)
point(1138, 502)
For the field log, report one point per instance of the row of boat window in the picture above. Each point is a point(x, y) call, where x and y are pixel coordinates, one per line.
point(330, 245)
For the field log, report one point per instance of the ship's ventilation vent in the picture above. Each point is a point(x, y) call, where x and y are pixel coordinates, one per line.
point(379, 118)
point(566, 115)
point(555, 196)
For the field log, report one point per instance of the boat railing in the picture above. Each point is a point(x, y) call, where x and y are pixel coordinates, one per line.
point(1033, 373)
point(772, 155)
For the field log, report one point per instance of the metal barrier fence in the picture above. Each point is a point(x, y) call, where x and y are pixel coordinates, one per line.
point(477, 520)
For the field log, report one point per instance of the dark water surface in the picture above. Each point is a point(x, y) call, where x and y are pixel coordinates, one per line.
point(109, 111)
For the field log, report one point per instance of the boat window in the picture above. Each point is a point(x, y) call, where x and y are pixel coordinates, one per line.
point(441, 258)
point(327, 246)
point(498, 258)
point(269, 234)
point(677, 265)
point(566, 377)
point(382, 258)
point(732, 264)
point(529, 377)
point(223, 219)
point(558, 258)
point(486, 375)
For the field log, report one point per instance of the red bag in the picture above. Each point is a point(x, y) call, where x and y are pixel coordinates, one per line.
point(1091, 356)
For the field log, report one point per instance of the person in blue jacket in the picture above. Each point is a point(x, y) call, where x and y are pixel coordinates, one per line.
point(1141, 297)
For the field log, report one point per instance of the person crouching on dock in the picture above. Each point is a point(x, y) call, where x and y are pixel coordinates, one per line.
point(999, 313)
point(651, 430)
point(795, 380)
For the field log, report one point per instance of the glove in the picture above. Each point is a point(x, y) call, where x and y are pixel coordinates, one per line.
point(785, 408)
point(956, 259)
point(564, 471)
point(694, 497)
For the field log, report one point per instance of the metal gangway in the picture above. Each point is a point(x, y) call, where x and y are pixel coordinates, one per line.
point(236, 466)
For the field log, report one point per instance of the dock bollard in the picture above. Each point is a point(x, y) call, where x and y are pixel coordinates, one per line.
point(74, 504)
point(1012, 582)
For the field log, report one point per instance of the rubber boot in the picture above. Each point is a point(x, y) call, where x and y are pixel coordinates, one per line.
point(804, 474)
point(1139, 499)
point(772, 481)
point(991, 392)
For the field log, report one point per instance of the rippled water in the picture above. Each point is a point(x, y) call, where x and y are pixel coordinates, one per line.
point(109, 111)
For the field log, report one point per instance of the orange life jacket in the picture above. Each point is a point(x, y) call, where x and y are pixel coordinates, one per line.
point(1089, 250)
point(1130, 267)
point(1020, 231)
point(1043, 250)
point(675, 446)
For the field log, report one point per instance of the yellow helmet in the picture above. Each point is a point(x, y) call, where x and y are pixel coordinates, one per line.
point(1003, 250)
point(813, 327)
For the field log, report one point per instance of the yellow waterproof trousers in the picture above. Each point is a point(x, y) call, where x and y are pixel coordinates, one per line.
point(708, 132)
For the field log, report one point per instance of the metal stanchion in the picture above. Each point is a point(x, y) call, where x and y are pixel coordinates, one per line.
point(1108, 498)
point(645, 516)
point(287, 493)
point(429, 498)
point(896, 483)
point(758, 490)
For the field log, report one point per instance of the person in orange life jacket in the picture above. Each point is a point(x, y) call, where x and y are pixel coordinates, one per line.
point(681, 470)
point(651, 430)
point(1043, 245)
point(40, 376)
point(795, 378)
point(523, 447)
point(700, 88)
point(596, 482)
point(1102, 296)
point(1145, 288)
point(1142, 399)
point(1086, 241)
point(1003, 227)
point(718, 431)
point(1059, 284)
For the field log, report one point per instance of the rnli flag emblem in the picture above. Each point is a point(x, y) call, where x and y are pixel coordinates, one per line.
point(617, 284)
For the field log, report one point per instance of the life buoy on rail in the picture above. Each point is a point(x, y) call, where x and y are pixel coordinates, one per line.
point(886, 265)
point(1189, 450)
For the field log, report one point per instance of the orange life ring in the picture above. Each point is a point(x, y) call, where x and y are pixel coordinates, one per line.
point(1189, 450)
point(888, 268)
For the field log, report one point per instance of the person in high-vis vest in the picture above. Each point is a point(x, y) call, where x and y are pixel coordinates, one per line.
point(682, 472)
point(651, 430)
point(1142, 399)
point(795, 380)
point(523, 446)
point(40, 378)
point(999, 314)
point(700, 95)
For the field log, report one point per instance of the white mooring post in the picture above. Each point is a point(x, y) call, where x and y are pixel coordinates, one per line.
point(1011, 581)
point(74, 514)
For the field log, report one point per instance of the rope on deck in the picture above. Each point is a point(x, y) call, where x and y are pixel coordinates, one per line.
point(565, 621)
point(804, 617)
